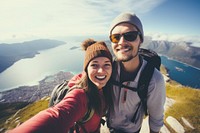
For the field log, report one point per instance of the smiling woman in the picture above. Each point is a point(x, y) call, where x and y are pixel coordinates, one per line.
point(89, 91)
point(99, 68)
point(99, 71)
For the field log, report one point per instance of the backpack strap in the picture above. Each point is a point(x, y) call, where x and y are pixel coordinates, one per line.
point(143, 84)
point(88, 115)
point(117, 83)
point(77, 125)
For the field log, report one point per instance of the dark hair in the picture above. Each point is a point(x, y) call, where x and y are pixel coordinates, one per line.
point(92, 93)
point(94, 49)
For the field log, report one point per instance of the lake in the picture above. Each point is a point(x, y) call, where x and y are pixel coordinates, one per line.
point(31, 70)
point(182, 73)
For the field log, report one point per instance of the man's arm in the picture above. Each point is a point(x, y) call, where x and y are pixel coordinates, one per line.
point(156, 101)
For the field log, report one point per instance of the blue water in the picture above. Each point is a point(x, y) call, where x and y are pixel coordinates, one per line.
point(182, 73)
point(30, 71)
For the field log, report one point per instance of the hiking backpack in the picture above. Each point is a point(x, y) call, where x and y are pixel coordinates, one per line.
point(58, 94)
point(153, 61)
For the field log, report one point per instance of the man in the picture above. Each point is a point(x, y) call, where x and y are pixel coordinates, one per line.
point(126, 114)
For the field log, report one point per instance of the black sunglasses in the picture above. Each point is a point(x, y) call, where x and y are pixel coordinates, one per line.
point(128, 36)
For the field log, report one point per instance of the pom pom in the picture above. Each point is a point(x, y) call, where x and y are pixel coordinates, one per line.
point(87, 43)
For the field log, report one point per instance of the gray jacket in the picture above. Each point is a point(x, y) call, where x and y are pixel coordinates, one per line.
point(122, 112)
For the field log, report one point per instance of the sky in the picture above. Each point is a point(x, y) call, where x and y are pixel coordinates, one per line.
point(22, 20)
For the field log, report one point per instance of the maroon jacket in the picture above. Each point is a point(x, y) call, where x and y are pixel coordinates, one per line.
point(59, 118)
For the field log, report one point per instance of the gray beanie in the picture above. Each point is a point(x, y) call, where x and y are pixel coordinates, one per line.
point(128, 18)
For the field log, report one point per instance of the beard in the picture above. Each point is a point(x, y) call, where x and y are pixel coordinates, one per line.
point(126, 58)
point(131, 54)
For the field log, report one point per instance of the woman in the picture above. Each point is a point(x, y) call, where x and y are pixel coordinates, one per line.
point(89, 91)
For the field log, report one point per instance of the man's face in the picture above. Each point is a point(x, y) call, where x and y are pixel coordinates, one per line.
point(125, 50)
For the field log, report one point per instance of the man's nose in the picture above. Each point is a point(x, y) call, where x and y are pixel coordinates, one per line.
point(121, 40)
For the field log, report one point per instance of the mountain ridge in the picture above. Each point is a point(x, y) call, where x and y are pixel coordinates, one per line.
point(180, 51)
point(11, 53)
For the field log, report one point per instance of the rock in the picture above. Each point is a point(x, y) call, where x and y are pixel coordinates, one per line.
point(2, 129)
point(167, 79)
point(164, 129)
point(187, 123)
point(48, 98)
point(145, 126)
point(177, 127)
point(104, 128)
point(168, 103)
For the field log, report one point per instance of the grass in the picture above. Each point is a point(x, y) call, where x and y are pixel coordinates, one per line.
point(163, 69)
point(186, 105)
point(25, 113)
point(8, 109)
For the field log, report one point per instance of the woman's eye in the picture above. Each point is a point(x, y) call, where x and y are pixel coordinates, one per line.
point(94, 65)
point(107, 65)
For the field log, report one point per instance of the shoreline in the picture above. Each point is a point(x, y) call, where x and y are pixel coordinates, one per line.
point(169, 58)
point(37, 83)
point(35, 92)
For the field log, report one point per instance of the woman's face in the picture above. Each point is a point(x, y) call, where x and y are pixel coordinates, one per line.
point(99, 71)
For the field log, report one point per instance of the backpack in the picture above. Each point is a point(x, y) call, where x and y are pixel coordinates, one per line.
point(153, 61)
point(58, 94)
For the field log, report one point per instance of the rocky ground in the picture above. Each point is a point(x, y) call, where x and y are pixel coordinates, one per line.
point(174, 124)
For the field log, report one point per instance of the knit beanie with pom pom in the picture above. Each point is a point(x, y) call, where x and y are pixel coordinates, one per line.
point(94, 49)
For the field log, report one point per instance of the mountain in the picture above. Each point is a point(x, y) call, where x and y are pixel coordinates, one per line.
point(10, 53)
point(180, 51)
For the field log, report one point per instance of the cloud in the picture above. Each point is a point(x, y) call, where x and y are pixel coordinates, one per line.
point(22, 19)
point(195, 40)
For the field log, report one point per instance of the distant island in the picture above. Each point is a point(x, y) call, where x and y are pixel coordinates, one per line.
point(74, 47)
point(11, 53)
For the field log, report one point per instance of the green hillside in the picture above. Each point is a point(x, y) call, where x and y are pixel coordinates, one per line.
point(22, 114)
point(186, 105)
